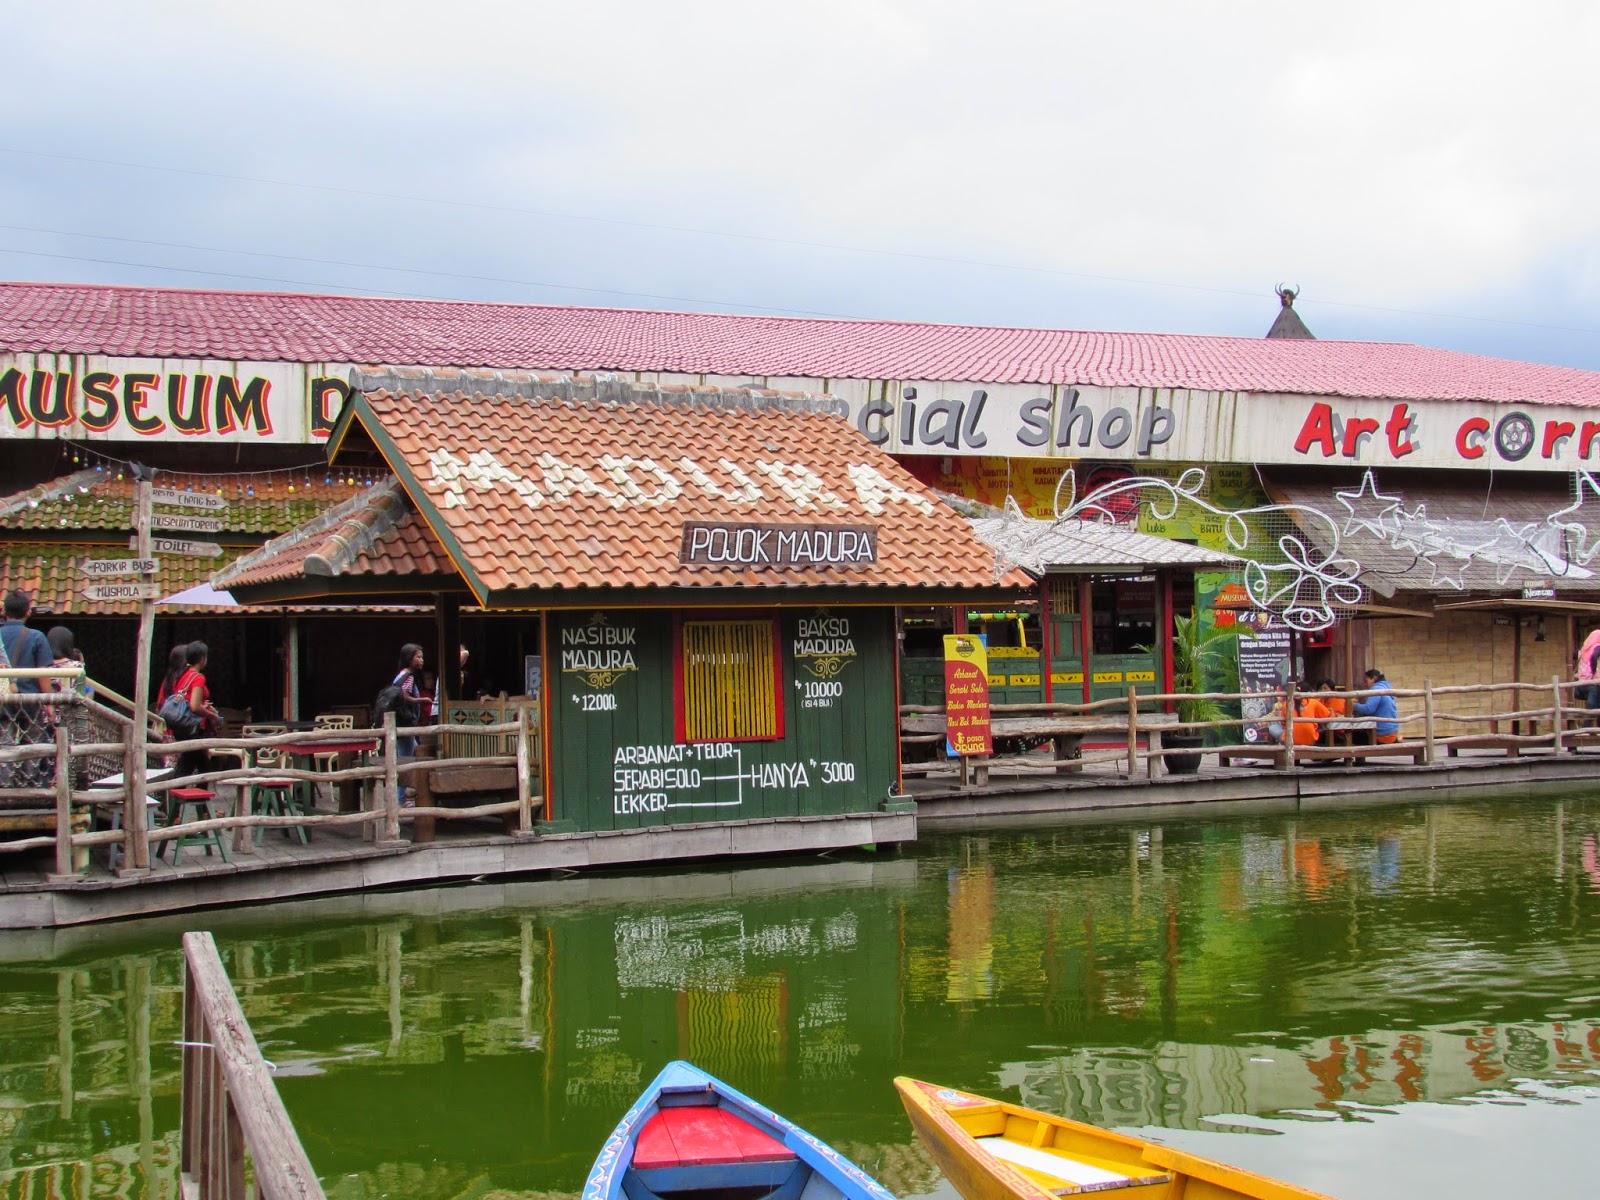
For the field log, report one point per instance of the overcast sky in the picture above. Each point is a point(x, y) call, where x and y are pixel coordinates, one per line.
point(1422, 171)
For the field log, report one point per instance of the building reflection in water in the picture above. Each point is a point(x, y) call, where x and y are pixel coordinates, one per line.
point(461, 1042)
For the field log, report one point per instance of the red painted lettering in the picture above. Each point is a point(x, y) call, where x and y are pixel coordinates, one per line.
point(1470, 437)
point(1399, 428)
point(1355, 429)
point(1591, 430)
point(1556, 432)
point(1317, 431)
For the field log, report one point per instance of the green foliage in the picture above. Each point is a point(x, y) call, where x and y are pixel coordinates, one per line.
point(1197, 654)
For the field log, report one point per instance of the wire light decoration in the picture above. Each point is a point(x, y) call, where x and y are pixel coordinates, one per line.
point(1297, 569)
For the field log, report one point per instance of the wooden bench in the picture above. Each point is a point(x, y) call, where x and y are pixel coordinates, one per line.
point(43, 820)
point(1066, 734)
point(1275, 754)
point(438, 786)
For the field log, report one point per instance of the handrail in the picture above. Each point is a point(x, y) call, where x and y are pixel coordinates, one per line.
point(231, 1108)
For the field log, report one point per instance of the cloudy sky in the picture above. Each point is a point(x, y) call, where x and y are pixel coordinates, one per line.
point(1421, 171)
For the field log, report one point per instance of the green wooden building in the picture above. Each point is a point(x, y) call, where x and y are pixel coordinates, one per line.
point(707, 582)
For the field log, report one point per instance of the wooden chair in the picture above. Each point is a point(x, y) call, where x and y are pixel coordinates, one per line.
point(275, 797)
point(329, 762)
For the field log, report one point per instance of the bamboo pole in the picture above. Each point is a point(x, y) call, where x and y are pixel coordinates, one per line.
point(135, 815)
point(64, 869)
point(524, 775)
point(1288, 726)
point(391, 784)
point(1133, 730)
point(1427, 722)
point(1556, 721)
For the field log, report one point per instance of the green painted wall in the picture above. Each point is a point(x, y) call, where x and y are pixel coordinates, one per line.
point(613, 758)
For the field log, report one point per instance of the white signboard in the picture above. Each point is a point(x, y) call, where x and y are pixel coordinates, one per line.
point(101, 567)
point(205, 500)
point(93, 397)
point(160, 545)
point(122, 591)
point(187, 524)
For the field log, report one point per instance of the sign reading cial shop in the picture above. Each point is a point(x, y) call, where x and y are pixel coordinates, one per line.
point(1193, 426)
point(93, 397)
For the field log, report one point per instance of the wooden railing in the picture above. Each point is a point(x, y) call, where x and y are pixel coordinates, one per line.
point(1550, 717)
point(232, 1115)
point(58, 803)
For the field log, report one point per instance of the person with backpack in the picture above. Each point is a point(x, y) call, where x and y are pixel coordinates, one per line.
point(24, 647)
point(188, 710)
point(403, 697)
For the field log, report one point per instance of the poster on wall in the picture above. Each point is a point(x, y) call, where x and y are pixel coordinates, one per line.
point(1266, 664)
point(966, 695)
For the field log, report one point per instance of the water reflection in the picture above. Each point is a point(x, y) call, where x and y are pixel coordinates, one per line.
point(1195, 974)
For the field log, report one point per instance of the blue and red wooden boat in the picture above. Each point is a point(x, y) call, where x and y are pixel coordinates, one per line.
point(691, 1135)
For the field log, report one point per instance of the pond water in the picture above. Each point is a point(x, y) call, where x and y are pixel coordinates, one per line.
point(1374, 1002)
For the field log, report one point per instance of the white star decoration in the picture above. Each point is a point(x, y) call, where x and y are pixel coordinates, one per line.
point(1368, 510)
point(1306, 582)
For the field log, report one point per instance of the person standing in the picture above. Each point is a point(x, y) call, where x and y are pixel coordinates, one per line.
point(193, 687)
point(409, 711)
point(25, 647)
point(1588, 691)
point(1380, 705)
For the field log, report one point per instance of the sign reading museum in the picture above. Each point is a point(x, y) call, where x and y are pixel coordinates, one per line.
point(752, 545)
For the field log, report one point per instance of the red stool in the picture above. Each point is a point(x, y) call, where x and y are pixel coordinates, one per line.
point(194, 804)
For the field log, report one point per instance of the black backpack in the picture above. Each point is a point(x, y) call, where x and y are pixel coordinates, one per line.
point(392, 700)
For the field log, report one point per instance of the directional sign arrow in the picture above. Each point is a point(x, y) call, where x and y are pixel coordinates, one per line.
point(203, 500)
point(101, 567)
point(186, 524)
point(176, 546)
point(123, 591)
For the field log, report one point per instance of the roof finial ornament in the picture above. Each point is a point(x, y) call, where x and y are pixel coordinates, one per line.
point(1289, 324)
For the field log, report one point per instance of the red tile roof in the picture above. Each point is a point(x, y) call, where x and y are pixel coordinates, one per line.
point(375, 534)
point(154, 322)
point(537, 494)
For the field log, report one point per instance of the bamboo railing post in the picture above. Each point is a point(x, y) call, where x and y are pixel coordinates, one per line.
point(135, 839)
point(1288, 726)
point(524, 775)
point(1555, 715)
point(1133, 730)
point(1427, 721)
point(64, 869)
point(391, 784)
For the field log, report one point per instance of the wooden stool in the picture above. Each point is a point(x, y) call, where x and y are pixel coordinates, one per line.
point(194, 804)
point(275, 797)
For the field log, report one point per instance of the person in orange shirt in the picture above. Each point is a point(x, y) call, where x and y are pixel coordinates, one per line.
point(1308, 712)
point(1336, 704)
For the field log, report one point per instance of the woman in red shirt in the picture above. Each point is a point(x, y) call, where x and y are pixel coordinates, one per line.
point(192, 685)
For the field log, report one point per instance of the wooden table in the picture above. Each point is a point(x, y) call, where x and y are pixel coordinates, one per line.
point(347, 793)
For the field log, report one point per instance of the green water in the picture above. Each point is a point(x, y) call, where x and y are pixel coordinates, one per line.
point(1375, 1002)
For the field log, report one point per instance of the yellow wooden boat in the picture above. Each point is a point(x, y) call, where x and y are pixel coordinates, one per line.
point(995, 1151)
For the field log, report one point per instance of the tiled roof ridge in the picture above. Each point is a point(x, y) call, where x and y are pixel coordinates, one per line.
point(601, 387)
point(358, 534)
point(332, 519)
point(51, 489)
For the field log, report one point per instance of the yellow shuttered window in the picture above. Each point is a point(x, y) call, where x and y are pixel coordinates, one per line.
point(729, 681)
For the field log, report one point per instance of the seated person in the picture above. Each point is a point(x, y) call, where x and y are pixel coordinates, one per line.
point(1308, 732)
point(1380, 705)
point(1335, 704)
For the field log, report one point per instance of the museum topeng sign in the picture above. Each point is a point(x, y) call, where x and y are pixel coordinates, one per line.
point(93, 397)
point(1179, 425)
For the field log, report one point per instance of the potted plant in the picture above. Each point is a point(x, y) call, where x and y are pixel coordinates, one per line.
point(1196, 653)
